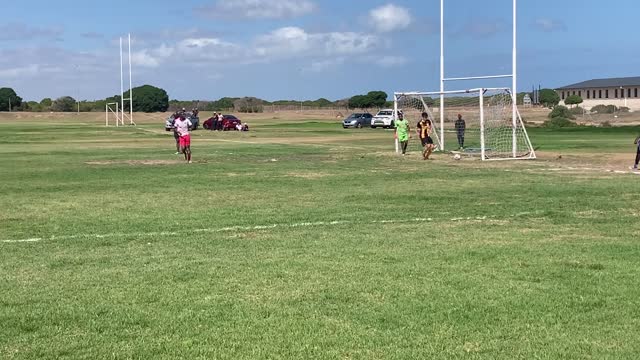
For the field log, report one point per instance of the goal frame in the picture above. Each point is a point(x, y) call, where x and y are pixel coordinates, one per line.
point(531, 154)
point(114, 110)
point(516, 117)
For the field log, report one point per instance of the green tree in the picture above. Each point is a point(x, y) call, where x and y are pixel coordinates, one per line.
point(360, 102)
point(377, 98)
point(148, 99)
point(248, 105)
point(549, 98)
point(225, 103)
point(34, 106)
point(9, 100)
point(45, 104)
point(573, 100)
point(322, 102)
point(64, 104)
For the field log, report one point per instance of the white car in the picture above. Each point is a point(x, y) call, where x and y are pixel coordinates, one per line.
point(384, 118)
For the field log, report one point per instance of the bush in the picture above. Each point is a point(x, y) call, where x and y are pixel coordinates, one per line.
point(624, 109)
point(559, 122)
point(64, 104)
point(248, 105)
point(573, 100)
point(604, 109)
point(577, 111)
point(549, 98)
point(560, 111)
point(605, 124)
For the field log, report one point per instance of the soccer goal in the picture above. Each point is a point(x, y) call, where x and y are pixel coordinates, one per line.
point(489, 130)
point(112, 115)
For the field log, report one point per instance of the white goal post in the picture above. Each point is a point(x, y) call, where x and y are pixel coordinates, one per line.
point(488, 131)
point(112, 111)
point(118, 109)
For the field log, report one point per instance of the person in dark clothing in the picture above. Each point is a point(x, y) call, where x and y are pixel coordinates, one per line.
point(214, 122)
point(424, 129)
point(637, 142)
point(461, 127)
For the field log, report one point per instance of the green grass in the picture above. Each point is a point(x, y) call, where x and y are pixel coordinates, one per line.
point(145, 257)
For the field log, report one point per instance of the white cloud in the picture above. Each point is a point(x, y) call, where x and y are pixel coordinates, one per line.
point(324, 65)
point(22, 32)
point(258, 9)
point(281, 44)
point(549, 25)
point(18, 72)
point(390, 61)
point(390, 18)
point(296, 42)
point(191, 50)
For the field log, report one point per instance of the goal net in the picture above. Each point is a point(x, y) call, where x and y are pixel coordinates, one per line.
point(486, 128)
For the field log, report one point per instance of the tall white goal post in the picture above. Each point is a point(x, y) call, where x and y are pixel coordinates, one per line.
point(120, 113)
point(517, 125)
point(489, 132)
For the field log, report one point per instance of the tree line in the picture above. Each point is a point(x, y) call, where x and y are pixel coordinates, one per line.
point(151, 99)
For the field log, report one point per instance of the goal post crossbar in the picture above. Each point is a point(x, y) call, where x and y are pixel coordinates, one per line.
point(450, 92)
point(478, 77)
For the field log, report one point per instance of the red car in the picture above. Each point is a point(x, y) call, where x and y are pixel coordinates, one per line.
point(228, 123)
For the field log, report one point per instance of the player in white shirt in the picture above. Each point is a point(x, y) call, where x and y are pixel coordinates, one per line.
point(182, 126)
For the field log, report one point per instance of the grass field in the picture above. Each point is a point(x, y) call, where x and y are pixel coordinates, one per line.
point(301, 240)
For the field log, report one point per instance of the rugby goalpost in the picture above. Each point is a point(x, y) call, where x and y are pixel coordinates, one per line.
point(494, 124)
point(115, 110)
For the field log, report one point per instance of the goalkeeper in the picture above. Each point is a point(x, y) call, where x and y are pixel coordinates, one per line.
point(402, 133)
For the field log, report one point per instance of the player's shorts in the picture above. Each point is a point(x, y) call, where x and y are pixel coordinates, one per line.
point(185, 140)
point(427, 141)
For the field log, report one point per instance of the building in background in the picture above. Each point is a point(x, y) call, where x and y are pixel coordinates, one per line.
point(614, 91)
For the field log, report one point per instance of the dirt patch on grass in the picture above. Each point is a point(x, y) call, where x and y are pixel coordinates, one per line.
point(308, 175)
point(135, 162)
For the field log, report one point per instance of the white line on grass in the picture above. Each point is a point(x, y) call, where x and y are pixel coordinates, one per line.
point(248, 228)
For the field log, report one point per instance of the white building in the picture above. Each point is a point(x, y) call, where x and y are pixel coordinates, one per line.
point(614, 91)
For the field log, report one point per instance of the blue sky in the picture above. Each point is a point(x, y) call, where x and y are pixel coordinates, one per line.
point(307, 49)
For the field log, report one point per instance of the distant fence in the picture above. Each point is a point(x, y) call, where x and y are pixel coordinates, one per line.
point(278, 108)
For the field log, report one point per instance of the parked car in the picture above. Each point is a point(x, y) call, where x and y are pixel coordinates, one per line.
point(229, 123)
point(384, 118)
point(195, 120)
point(168, 124)
point(357, 120)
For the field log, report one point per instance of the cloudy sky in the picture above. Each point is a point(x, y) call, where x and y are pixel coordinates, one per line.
point(307, 49)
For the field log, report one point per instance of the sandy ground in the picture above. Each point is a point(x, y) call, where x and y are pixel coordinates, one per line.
point(532, 115)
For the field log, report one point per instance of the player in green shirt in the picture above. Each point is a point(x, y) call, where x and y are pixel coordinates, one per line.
point(402, 132)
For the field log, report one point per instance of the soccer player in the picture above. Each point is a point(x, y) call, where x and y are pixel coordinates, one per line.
point(637, 142)
point(173, 119)
point(402, 132)
point(461, 126)
point(182, 126)
point(424, 129)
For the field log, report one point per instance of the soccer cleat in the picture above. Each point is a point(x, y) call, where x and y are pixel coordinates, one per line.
point(190, 162)
point(177, 152)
